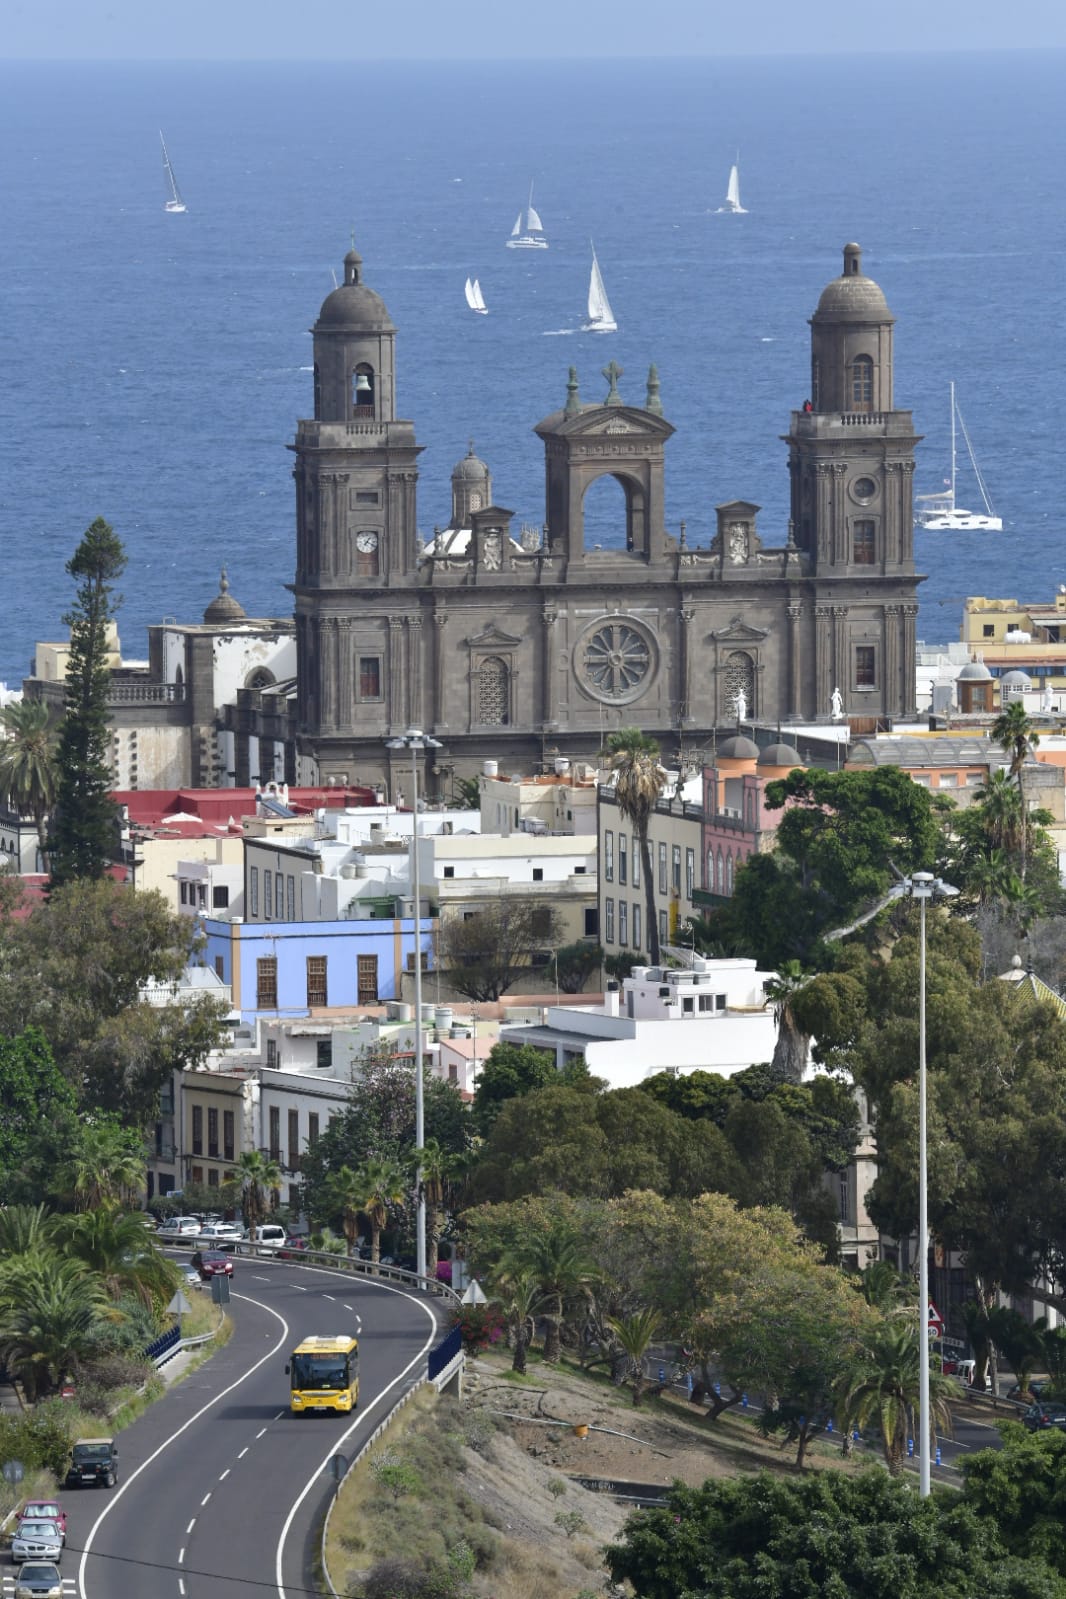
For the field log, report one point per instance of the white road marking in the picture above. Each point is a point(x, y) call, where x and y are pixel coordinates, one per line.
point(260, 1433)
point(299, 1289)
point(243, 1452)
point(181, 1584)
point(279, 1415)
point(181, 1555)
point(190, 1527)
point(225, 1474)
point(331, 1297)
point(132, 1478)
point(258, 1279)
point(204, 1500)
point(347, 1307)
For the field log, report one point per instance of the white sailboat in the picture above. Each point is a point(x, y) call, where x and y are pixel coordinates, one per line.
point(528, 231)
point(939, 513)
point(474, 297)
point(601, 317)
point(732, 193)
point(174, 201)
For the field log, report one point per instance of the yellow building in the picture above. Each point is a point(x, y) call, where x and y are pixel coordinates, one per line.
point(1009, 636)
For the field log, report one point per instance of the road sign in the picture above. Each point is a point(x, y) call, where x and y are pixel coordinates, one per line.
point(179, 1305)
point(936, 1321)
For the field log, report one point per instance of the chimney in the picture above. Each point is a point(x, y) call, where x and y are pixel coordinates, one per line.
point(611, 999)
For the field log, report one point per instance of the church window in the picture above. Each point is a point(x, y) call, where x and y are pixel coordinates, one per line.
point(862, 383)
point(865, 666)
point(615, 661)
point(260, 679)
point(729, 873)
point(493, 693)
point(475, 501)
point(719, 881)
point(740, 681)
point(863, 544)
point(369, 677)
point(363, 392)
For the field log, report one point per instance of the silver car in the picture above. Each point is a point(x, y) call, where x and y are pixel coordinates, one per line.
point(38, 1580)
point(36, 1540)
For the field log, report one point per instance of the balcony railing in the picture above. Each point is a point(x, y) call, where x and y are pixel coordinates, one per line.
point(146, 693)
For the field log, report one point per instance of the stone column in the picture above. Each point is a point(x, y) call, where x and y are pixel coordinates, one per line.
point(329, 672)
point(910, 686)
point(823, 688)
point(795, 662)
point(891, 540)
point(550, 617)
point(906, 520)
point(841, 665)
point(892, 695)
point(345, 664)
point(841, 553)
point(823, 500)
point(414, 654)
point(684, 712)
point(440, 703)
point(397, 697)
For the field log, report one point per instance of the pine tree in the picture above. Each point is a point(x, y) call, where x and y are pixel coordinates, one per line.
point(83, 831)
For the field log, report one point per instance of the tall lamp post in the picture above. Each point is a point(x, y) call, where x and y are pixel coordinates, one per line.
point(922, 886)
point(416, 741)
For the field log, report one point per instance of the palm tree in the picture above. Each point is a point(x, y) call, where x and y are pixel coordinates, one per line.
point(636, 1334)
point(882, 1384)
point(790, 1051)
point(639, 779)
point(23, 1229)
point(118, 1249)
point(256, 1176)
point(440, 1170)
point(384, 1185)
point(520, 1297)
point(52, 1312)
point(107, 1163)
point(1014, 733)
point(1001, 812)
point(883, 1289)
point(344, 1192)
point(557, 1262)
point(28, 771)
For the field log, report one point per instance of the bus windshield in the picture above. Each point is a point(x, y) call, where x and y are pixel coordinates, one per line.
point(320, 1371)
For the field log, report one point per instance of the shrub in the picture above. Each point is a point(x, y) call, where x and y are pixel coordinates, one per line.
point(40, 1439)
point(479, 1326)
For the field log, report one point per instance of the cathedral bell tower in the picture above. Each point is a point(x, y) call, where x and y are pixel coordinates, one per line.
point(356, 539)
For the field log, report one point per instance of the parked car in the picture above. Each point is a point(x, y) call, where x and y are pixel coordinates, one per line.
point(191, 1277)
point(269, 1236)
point(36, 1540)
point(39, 1579)
point(212, 1263)
point(220, 1234)
point(45, 1510)
point(294, 1246)
point(180, 1227)
point(93, 1463)
point(1040, 1417)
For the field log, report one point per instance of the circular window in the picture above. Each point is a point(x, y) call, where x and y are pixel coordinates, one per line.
point(864, 489)
point(615, 661)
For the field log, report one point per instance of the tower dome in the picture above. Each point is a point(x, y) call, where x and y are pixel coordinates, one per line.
point(851, 344)
point(738, 748)
point(224, 608)
point(780, 755)
point(853, 297)
point(352, 304)
point(471, 488)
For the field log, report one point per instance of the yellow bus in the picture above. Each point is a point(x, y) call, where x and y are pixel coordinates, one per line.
point(323, 1374)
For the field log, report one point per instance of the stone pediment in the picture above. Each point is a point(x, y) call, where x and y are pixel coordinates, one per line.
point(492, 637)
point(606, 422)
point(739, 632)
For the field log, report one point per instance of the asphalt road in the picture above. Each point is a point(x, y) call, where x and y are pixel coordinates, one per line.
point(221, 1489)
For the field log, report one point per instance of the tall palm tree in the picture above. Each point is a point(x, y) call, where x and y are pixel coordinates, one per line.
point(24, 1229)
point(52, 1312)
point(385, 1184)
point(520, 1297)
point(28, 772)
point(636, 1334)
point(558, 1264)
point(1015, 734)
point(107, 1162)
point(256, 1177)
point(882, 1384)
point(440, 1173)
point(117, 1248)
point(344, 1193)
point(639, 779)
point(790, 1051)
point(1001, 811)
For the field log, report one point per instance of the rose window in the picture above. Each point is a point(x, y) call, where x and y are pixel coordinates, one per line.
point(616, 661)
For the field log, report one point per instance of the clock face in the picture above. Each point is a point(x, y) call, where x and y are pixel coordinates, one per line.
point(366, 543)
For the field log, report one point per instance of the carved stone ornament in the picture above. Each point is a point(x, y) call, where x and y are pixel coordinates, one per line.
point(738, 543)
point(492, 552)
point(615, 661)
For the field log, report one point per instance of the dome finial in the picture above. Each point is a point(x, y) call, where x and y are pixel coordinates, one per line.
point(573, 403)
point(223, 582)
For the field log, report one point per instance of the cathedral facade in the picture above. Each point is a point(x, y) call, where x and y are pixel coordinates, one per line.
point(517, 645)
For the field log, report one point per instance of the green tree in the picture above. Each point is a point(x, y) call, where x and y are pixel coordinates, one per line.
point(33, 1092)
point(575, 964)
point(485, 954)
point(519, 1297)
point(548, 1139)
point(441, 1173)
point(256, 1178)
point(107, 1162)
point(636, 1334)
point(867, 1536)
point(789, 1061)
point(639, 778)
point(509, 1071)
point(1020, 1489)
point(51, 1317)
point(28, 765)
point(344, 1194)
point(117, 1248)
point(1014, 732)
point(384, 1186)
point(880, 1384)
point(83, 827)
point(558, 1262)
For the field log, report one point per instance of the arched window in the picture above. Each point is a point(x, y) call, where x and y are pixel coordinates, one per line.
point(862, 383)
point(260, 679)
point(740, 680)
point(363, 395)
point(719, 880)
point(729, 873)
point(494, 693)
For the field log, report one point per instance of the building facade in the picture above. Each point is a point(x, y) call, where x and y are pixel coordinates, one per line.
point(507, 643)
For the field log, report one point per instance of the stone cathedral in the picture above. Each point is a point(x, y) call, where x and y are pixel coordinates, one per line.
point(517, 644)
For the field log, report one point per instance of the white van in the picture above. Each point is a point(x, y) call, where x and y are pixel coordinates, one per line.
point(180, 1227)
point(269, 1236)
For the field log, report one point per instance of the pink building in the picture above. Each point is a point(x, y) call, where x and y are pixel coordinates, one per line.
point(736, 822)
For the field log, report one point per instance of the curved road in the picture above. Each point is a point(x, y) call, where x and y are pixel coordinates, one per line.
point(221, 1489)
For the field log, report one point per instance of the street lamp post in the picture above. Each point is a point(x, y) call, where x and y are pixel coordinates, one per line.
point(416, 741)
point(922, 886)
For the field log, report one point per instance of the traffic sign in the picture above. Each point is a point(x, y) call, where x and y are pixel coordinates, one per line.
point(936, 1321)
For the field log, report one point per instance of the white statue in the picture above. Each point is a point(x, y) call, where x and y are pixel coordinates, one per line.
point(741, 703)
point(837, 705)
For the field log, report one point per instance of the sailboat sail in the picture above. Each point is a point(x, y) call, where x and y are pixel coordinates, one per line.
point(474, 297)
point(938, 512)
point(732, 193)
point(528, 231)
point(601, 317)
point(174, 201)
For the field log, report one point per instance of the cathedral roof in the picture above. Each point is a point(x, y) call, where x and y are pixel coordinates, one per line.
point(224, 608)
point(353, 305)
point(470, 469)
point(853, 297)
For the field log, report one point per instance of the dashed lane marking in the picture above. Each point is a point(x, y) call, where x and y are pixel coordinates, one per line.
point(244, 1451)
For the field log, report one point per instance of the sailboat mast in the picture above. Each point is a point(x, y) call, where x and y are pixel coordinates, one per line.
point(953, 446)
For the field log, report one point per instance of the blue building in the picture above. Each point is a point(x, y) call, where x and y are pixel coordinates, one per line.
point(286, 968)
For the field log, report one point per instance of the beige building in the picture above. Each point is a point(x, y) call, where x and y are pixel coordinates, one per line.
point(675, 839)
point(1005, 636)
point(562, 801)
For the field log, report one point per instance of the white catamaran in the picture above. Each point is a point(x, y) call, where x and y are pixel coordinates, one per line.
point(528, 231)
point(474, 297)
point(601, 317)
point(732, 193)
point(939, 513)
point(174, 201)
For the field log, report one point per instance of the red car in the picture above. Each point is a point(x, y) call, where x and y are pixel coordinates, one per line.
point(212, 1263)
point(294, 1247)
point(45, 1510)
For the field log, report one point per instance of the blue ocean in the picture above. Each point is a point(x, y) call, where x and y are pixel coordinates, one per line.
point(155, 365)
